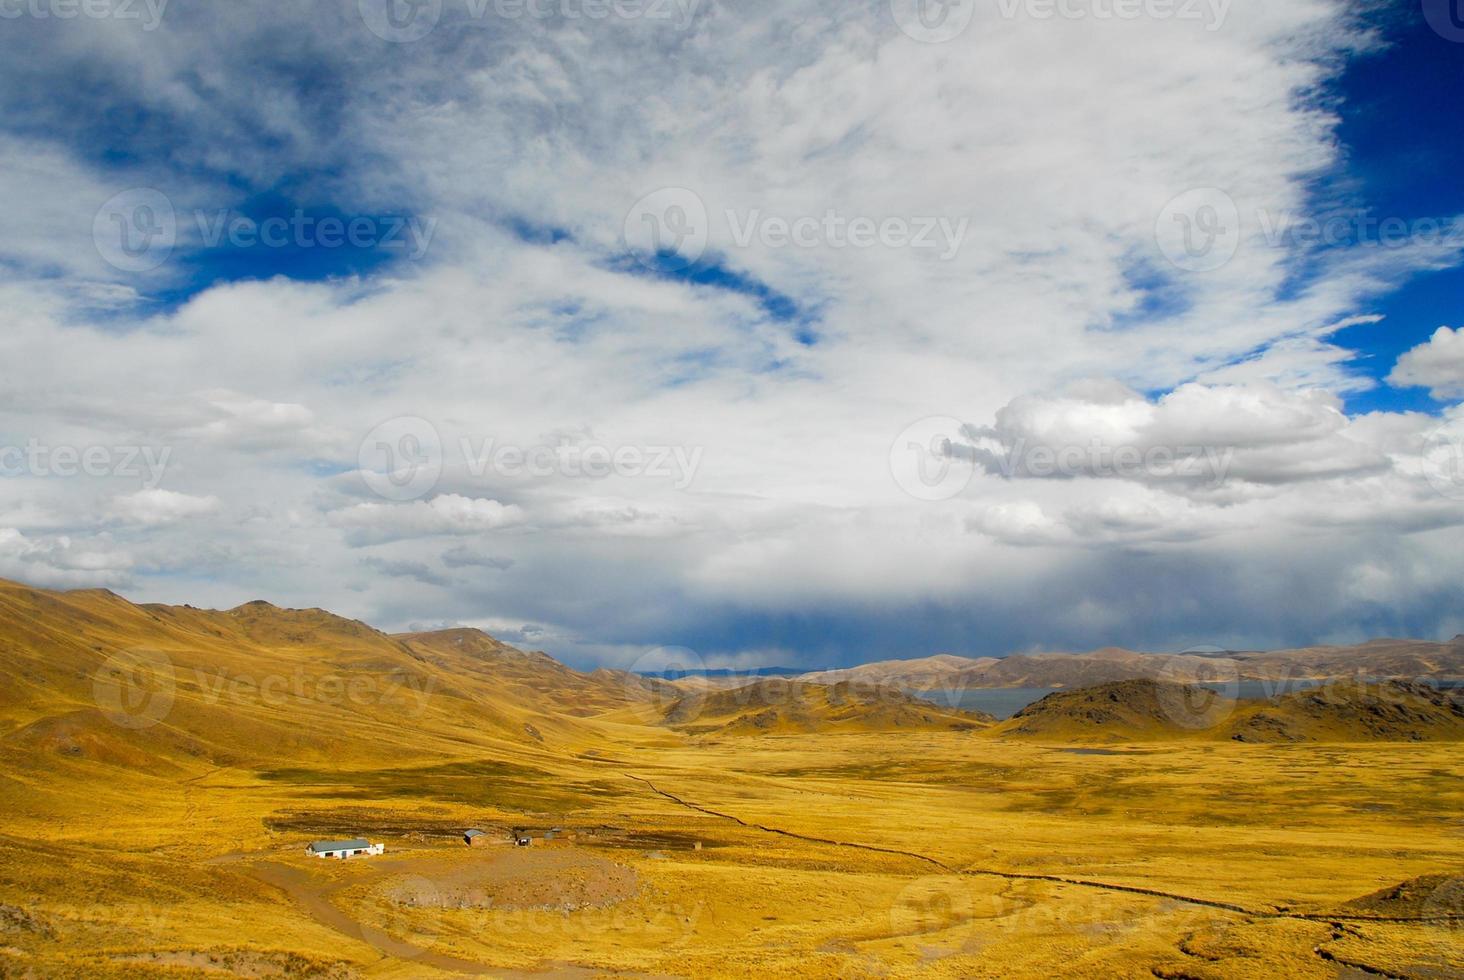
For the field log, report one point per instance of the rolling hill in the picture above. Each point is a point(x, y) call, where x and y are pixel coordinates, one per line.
point(527, 676)
point(1119, 711)
point(97, 679)
point(778, 706)
point(1141, 710)
point(1349, 711)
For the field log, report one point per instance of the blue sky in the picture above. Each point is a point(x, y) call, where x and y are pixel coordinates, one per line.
point(772, 332)
point(1402, 152)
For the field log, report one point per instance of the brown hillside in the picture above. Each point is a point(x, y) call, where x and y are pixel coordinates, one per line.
point(1352, 712)
point(96, 680)
point(1120, 711)
point(1342, 712)
point(776, 706)
point(531, 677)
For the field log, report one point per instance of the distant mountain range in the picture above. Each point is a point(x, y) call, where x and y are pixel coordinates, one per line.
point(95, 680)
point(1402, 659)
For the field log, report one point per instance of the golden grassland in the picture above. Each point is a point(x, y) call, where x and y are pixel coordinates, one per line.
point(154, 877)
point(168, 840)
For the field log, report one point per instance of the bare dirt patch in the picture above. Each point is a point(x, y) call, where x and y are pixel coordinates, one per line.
point(517, 880)
point(14, 919)
point(1438, 896)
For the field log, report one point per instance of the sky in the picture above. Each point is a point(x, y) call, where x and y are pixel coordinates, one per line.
point(757, 333)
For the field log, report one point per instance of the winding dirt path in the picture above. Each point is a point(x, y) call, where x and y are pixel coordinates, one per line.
point(1056, 879)
point(313, 897)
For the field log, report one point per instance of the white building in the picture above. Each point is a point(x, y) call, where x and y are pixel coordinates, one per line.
point(342, 849)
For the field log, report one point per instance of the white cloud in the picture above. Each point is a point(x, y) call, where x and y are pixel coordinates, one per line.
point(155, 508)
point(1437, 365)
point(1020, 522)
point(447, 514)
point(62, 562)
point(1195, 439)
point(238, 421)
point(1060, 141)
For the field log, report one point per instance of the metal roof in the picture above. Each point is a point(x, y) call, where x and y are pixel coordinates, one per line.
point(356, 844)
point(474, 833)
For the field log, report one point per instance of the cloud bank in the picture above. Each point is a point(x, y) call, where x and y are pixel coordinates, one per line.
point(1144, 439)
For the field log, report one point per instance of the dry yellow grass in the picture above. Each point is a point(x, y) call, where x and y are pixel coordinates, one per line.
point(177, 849)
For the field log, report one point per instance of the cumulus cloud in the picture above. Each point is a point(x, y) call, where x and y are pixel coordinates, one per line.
point(1437, 365)
point(237, 421)
point(61, 562)
point(1197, 438)
point(448, 514)
point(156, 507)
point(1021, 522)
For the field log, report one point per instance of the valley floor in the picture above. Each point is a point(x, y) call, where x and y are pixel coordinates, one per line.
point(916, 855)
